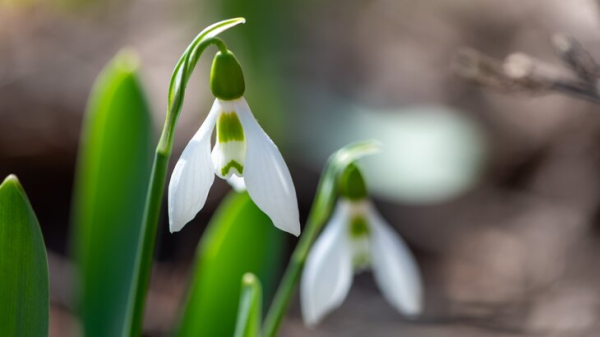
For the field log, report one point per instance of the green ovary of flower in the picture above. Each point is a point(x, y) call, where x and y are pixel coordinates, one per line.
point(226, 77)
point(352, 184)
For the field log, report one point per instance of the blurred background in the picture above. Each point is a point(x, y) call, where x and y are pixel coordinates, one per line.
point(496, 194)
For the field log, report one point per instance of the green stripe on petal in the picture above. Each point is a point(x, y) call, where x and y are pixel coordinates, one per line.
point(358, 227)
point(232, 164)
point(229, 128)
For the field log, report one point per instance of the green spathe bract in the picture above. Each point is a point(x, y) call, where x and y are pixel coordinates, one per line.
point(240, 238)
point(226, 77)
point(112, 179)
point(24, 299)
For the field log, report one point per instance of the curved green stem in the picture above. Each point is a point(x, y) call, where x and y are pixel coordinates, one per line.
point(291, 276)
point(317, 218)
point(143, 263)
point(181, 74)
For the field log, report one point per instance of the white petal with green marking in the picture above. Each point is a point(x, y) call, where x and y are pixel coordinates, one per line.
point(357, 238)
point(243, 155)
point(228, 159)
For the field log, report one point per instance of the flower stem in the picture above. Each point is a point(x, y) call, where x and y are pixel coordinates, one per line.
point(291, 276)
point(143, 262)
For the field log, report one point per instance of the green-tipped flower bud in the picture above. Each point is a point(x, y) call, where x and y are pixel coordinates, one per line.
point(226, 77)
point(351, 184)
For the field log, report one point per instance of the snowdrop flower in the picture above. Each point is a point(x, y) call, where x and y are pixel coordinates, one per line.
point(243, 154)
point(358, 238)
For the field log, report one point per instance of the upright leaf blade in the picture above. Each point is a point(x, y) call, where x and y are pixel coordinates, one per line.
point(24, 299)
point(110, 192)
point(250, 311)
point(240, 239)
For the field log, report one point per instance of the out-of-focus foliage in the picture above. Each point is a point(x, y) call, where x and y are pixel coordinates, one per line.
point(430, 153)
point(249, 312)
point(239, 239)
point(24, 300)
point(112, 179)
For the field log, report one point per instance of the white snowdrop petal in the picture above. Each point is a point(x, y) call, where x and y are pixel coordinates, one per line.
point(193, 175)
point(328, 274)
point(266, 175)
point(237, 183)
point(394, 267)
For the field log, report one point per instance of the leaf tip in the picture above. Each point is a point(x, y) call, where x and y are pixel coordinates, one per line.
point(372, 146)
point(249, 279)
point(12, 181)
point(127, 60)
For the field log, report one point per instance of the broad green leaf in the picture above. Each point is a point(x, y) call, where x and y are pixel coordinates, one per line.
point(112, 178)
point(239, 239)
point(24, 300)
point(249, 312)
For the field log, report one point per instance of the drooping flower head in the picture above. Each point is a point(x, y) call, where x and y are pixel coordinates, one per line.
point(357, 238)
point(243, 154)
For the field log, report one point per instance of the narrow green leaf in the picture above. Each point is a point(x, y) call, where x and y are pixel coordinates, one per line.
point(24, 300)
point(250, 311)
point(240, 239)
point(112, 179)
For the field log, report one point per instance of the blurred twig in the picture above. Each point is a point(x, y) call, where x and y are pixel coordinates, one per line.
point(520, 72)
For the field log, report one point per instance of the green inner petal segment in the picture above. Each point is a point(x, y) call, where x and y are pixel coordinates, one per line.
point(232, 164)
point(359, 227)
point(229, 128)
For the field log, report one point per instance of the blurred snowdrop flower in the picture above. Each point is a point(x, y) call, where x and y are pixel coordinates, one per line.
point(355, 239)
point(243, 154)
